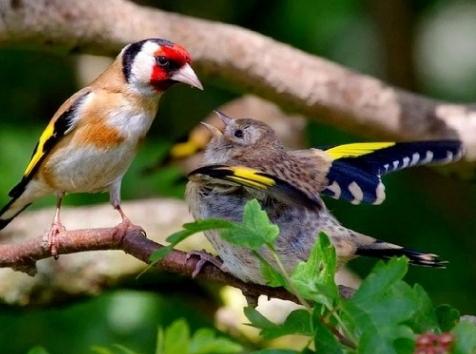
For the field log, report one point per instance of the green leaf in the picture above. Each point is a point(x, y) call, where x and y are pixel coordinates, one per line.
point(105, 350)
point(447, 316)
point(254, 217)
point(176, 338)
point(425, 318)
point(159, 348)
point(381, 279)
point(97, 350)
point(189, 230)
point(465, 338)
point(404, 345)
point(276, 351)
point(204, 225)
point(325, 341)
point(124, 349)
point(37, 350)
point(297, 322)
point(380, 307)
point(204, 341)
point(256, 319)
point(255, 231)
point(271, 276)
point(314, 279)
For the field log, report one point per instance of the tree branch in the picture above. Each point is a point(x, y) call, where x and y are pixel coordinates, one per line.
point(23, 256)
point(246, 60)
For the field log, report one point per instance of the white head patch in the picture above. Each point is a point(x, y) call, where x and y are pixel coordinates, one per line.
point(142, 67)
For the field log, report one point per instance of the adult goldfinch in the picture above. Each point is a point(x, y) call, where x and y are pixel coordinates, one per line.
point(248, 161)
point(93, 137)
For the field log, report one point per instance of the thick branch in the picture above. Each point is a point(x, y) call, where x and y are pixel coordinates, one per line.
point(244, 59)
point(23, 256)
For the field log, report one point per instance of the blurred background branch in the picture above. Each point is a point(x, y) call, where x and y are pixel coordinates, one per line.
point(243, 60)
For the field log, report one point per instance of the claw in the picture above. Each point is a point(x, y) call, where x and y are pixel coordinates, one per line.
point(204, 258)
point(51, 238)
point(126, 225)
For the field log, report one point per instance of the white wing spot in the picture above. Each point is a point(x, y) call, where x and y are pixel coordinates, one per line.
point(380, 193)
point(386, 166)
point(356, 192)
point(335, 188)
point(428, 158)
point(449, 157)
point(395, 164)
point(415, 159)
point(406, 162)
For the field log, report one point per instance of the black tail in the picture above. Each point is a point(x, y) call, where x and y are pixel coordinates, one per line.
point(380, 250)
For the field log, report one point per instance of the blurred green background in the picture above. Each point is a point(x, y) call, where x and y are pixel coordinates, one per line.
point(425, 46)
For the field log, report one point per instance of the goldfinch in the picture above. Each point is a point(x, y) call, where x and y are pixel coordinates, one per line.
point(246, 160)
point(93, 137)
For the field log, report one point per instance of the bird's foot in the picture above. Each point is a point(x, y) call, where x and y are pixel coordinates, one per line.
point(125, 226)
point(51, 238)
point(204, 258)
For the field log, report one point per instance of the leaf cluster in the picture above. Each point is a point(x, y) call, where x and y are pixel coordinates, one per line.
point(386, 315)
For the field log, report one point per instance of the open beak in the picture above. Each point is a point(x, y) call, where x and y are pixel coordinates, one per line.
point(224, 118)
point(214, 130)
point(187, 76)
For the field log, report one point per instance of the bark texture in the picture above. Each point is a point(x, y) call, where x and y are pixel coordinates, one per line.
point(243, 60)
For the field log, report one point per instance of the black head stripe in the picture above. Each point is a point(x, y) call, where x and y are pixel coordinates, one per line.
point(132, 49)
point(128, 57)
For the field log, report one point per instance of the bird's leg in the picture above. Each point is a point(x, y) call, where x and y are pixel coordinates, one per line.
point(57, 227)
point(115, 195)
point(203, 258)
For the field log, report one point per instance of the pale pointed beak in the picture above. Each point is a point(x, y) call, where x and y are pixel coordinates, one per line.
point(187, 76)
point(214, 130)
point(224, 118)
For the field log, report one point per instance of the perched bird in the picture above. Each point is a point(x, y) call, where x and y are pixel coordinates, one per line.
point(246, 160)
point(93, 137)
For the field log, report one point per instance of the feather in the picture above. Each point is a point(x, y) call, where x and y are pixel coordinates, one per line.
point(356, 170)
point(56, 129)
point(255, 179)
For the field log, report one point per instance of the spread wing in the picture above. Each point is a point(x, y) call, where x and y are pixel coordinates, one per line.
point(255, 179)
point(356, 169)
point(60, 125)
point(350, 172)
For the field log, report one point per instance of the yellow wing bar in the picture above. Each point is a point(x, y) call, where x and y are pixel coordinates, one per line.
point(251, 177)
point(356, 149)
point(39, 151)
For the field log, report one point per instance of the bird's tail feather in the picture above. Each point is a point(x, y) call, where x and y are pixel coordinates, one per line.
point(22, 196)
point(10, 211)
point(385, 250)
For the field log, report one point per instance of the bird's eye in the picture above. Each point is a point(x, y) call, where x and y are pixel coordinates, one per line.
point(239, 133)
point(162, 61)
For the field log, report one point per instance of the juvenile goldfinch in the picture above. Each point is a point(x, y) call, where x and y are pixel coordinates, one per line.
point(247, 161)
point(93, 137)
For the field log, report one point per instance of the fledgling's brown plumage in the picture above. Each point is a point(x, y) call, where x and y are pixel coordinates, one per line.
point(246, 160)
point(260, 148)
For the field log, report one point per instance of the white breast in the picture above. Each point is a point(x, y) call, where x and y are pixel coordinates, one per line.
point(130, 124)
point(91, 168)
